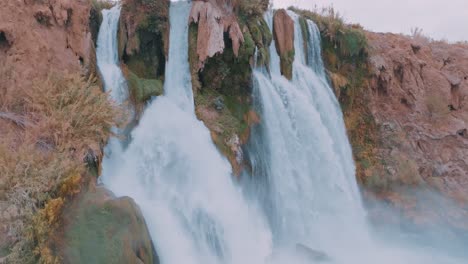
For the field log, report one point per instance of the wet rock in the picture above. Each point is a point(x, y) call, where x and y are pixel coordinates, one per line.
point(104, 229)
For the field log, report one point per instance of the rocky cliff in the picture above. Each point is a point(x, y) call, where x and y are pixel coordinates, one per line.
point(418, 97)
point(54, 121)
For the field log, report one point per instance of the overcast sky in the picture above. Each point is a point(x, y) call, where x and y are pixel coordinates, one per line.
point(440, 19)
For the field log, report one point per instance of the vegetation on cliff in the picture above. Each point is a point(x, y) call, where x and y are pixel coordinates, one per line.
point(223, 86)
point(143, 45)
point(63, 123)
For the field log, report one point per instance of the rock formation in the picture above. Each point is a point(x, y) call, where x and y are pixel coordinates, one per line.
point(143, 47)
point(214, 18)
point(283, 32)
point(39, 37)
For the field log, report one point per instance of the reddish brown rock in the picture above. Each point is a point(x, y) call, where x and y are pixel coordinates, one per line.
point(39, 37)
point(420, 100)
point(214, 17)
point(283, 31)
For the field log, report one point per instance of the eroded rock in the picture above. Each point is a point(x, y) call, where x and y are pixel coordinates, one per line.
point(283, 32)
point(213, 19)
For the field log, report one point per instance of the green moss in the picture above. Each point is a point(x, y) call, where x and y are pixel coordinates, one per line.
point(286, 63)
point(95, 237)
point(305, 33)
point(143, 89)
point(253, 7)
point(147, 60)
point(101, 230)
point(231, 120)
point(261, 36)
point(4, 251)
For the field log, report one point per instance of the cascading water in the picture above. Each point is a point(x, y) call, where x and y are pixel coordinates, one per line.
point(303, 169)
point(107, 55)
point(194, 211)
point(302, 150)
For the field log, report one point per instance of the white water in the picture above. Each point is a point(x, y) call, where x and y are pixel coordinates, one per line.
point(303, 167)
point(108, 58)
point(194, 211)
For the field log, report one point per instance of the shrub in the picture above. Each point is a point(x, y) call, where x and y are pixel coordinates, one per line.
point(349, 40)
point(252, 7)
point(70, 113)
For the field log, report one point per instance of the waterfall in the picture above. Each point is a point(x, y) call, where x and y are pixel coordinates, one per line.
point(302, 166)
point(107, 55)
point(194, 211)
point(302, 151)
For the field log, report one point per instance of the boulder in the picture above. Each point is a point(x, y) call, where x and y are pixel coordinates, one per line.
point(103, 229)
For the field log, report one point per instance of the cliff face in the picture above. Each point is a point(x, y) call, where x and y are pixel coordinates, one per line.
point(39, 37)
point(419, 100)
point(222, 41)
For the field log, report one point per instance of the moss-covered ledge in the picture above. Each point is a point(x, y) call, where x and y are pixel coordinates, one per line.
point(143, 45)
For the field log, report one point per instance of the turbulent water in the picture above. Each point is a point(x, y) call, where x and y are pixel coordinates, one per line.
point(302, 169)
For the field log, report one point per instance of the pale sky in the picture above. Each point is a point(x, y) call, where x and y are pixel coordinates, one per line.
point(440, 19)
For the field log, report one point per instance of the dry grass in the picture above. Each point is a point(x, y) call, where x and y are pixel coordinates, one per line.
point(61, 123)
point(418, 35)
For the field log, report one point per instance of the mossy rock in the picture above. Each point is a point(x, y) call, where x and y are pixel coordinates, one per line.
point(144, 37)
point(262, 37)
point(286, 64)
point(142, 89)
point(105, 230)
